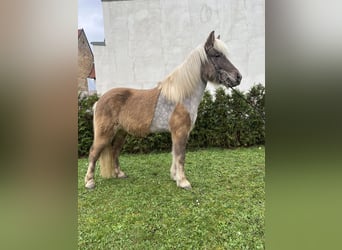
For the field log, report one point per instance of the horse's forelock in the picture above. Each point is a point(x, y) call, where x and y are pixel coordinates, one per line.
point(221, 46)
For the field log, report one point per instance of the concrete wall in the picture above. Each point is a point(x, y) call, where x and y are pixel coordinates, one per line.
point(145, 40)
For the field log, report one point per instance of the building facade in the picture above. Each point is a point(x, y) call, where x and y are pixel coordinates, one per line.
point(146, 40)
point(85, 62)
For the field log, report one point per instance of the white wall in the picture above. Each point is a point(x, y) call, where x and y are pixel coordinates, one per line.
point(145, 40)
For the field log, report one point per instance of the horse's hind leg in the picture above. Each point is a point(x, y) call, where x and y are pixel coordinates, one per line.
point(118, 142)
point(98, 145)
point(180, 126)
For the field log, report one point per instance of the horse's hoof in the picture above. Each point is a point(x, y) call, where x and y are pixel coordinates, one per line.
point(185, 185)
point(122, 175)
point(90, 184)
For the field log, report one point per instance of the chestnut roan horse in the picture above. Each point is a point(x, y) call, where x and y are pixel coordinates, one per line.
point(170, 106)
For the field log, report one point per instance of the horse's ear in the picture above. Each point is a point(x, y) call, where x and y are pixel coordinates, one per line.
point(218, 37)
point(210, 41)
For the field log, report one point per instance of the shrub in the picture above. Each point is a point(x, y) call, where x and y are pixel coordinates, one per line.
point(85, 123)
point(227, 120)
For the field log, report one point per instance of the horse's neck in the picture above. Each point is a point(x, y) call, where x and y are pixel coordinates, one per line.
point(192, 102)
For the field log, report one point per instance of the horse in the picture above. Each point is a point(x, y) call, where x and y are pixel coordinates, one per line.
point(171, 106)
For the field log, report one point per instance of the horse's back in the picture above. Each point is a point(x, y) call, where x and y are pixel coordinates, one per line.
point(130, 109)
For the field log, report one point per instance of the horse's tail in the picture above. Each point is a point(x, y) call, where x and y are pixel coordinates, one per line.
point(106, 159)
point(107, 162)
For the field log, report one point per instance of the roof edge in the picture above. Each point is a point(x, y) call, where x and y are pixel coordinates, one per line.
point(98, 43)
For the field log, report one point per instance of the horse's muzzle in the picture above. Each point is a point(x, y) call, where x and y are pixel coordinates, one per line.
point(229, 79)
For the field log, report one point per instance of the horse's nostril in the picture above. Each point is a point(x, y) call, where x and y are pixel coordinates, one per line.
point(238, 76)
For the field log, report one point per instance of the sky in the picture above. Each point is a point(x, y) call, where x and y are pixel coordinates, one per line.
point(90, 18)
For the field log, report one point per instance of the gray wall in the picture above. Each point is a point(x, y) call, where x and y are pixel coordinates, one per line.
point(145, 40)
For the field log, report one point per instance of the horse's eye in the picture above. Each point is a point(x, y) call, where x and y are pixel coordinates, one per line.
point(217, 55)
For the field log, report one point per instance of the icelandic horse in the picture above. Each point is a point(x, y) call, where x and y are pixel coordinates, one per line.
point(171, 106)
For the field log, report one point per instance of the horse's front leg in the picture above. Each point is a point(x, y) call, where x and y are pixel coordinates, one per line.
point(178, 153)
point(180, 126)
point(173, 169)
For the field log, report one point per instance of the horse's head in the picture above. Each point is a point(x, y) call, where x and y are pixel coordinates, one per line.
point(218, 69)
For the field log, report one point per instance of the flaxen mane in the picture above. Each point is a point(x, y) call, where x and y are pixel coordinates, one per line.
point(183, 80)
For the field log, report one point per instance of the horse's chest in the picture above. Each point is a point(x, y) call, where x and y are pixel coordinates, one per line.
point(164, 110)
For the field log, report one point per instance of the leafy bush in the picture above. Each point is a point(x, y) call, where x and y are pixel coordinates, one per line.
point(153, 142)
point(85, 123)
point(225, 120)
point(229, 121)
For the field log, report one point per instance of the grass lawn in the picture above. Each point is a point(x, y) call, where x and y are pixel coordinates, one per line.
point(224, 209)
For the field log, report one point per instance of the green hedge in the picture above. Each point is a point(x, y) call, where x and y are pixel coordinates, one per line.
point(85, 123)
point(228, 121)
point(225, 120)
